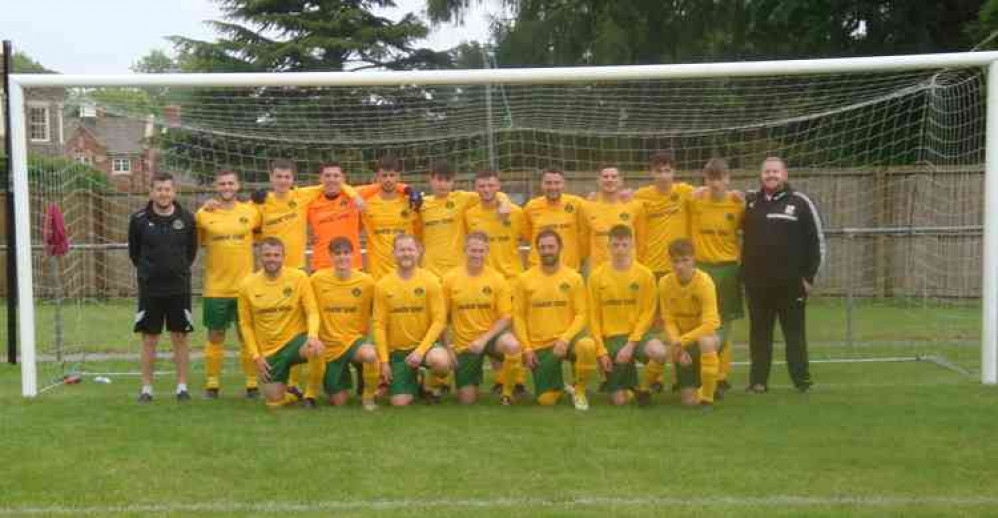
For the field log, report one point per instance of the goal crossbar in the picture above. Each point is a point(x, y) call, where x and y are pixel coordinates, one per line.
point(19, 152)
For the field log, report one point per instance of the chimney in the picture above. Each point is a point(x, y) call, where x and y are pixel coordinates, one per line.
point(171, 114)
point(150, 127)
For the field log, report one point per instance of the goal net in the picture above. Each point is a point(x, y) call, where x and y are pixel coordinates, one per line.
point(894, 161)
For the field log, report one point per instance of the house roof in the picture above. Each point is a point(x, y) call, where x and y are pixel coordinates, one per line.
point(119, 135)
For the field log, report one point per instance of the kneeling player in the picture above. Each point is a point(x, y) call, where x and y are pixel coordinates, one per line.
point(279, 321)
point(549, 313)
point(688, 302)
point(409, 315)
point(479, 303)
point(622, 309)
point(344, 298)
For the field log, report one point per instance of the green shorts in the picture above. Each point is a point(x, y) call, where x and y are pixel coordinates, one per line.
point(624, 377)
point(337, 377)
point(688, 376)
point(219, 313)
point(730, 304)
point(286, 357)
point(405, 380)
point(548, 375)
point(470, 365)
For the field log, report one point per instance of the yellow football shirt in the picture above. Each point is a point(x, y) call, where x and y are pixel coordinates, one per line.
point(285, 218)
point(667, 219)
point(621, 303)
point(547, 308)
point(504, 237)
point(408, 313)
point(564, 217)
point(716, 226)
point(344, 309)
point(383, 220)
point(272, 312)
point(599, 217)
point(227, 237)
point(475, 303)
point(689, 311)
point(442, 229)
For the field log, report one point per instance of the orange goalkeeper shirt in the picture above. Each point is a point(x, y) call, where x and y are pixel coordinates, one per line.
point(330, 219)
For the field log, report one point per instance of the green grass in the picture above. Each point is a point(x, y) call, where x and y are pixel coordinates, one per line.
point(871, 440)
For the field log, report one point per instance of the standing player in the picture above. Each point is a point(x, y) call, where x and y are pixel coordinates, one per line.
point(279, 321)
point(688, 302)
point(226, 233)
point(610, 209)
point(622, 309)
point(388, 214)
point(333, 214)
point(667, 218)
point(479, 303)
point(409, 316)
point(344, 297)
point(549, 314)
point(162, 244)
point(504, 231)
point(716, 221)
point(561, 212)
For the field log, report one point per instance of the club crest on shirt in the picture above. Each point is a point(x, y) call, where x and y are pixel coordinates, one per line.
point(178, 224)
point(674, 197)
point(343, 203)
point(789, 210)
point(288, 291)
point(404, 213)
point(292, 204)
point(244, 220)
point(419, 292)
point(624, 216)
point(507, 223)
point(564, 286)
point(634, 286)
point(729, 216)
point(569, 208)
point(487, 290)
point(449, 205)
point(355, 292)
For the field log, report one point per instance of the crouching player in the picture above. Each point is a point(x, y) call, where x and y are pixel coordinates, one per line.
point(622, 309)
point(344, 297)
point(480, 306)
point(409, 315)
point(279, 321)
point(688, 302)
point(549, 314)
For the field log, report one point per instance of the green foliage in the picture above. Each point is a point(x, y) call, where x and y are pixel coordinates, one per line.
point(24, 64)
point(156, 62)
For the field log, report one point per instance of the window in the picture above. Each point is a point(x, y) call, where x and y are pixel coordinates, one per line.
point(84, 159)
point(38, 123)
point(121, 165)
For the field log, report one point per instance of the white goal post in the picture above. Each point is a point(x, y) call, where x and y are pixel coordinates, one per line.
point(980, 60)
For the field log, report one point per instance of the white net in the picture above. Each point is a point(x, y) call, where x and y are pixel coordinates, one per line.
point(894, 162)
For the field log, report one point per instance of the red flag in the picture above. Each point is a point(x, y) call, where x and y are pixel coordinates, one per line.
point(54, 232)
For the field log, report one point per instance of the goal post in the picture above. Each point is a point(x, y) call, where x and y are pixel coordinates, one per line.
point(982, 62)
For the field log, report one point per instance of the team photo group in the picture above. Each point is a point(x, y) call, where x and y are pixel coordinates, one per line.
point(449, 282)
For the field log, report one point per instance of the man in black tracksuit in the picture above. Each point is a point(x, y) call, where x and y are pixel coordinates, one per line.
point(782, 248)
point(162, 244)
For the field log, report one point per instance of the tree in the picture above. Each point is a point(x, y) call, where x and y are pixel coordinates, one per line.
point(308, 35)
point(24, 64)
point(156, 62)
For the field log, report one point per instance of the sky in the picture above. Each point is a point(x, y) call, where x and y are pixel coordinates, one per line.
point(107, 36)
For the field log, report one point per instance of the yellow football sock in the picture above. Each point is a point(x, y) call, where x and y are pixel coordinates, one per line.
point(371, 374)
point(294, 377)
point(316, 370)
point(249, 368)
point(438, 381)
point(725, 367)
point(512, 366)
point(708, 376)
point(288, 400)
point(654, 372)
point(214, 355)
point(585, 363)
point(549, 398)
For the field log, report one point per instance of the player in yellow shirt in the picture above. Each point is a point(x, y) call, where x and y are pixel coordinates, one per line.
point(388, 214)
point(607, 210)
point(549, 315)
point(504, 230)
point(480, 306)
point(716, 217)
point(279, 321)
point(666, 203)
point(622, 302)
point(409, 316)
point(226, 233)
point(688, 303)
point(561, 212)
point(345, 298)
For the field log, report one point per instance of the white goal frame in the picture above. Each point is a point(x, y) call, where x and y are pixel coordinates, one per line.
point(19, 153)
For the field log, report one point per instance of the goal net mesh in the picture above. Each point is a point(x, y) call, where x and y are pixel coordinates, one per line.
point(894, 162)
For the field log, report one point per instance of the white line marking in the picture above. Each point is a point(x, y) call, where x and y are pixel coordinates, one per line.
point(582, 502)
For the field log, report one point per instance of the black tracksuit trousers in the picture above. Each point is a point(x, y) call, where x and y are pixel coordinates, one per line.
point(766, 303)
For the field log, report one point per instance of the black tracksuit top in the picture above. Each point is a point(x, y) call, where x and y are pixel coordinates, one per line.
point(163, 248)
point(783, 240)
